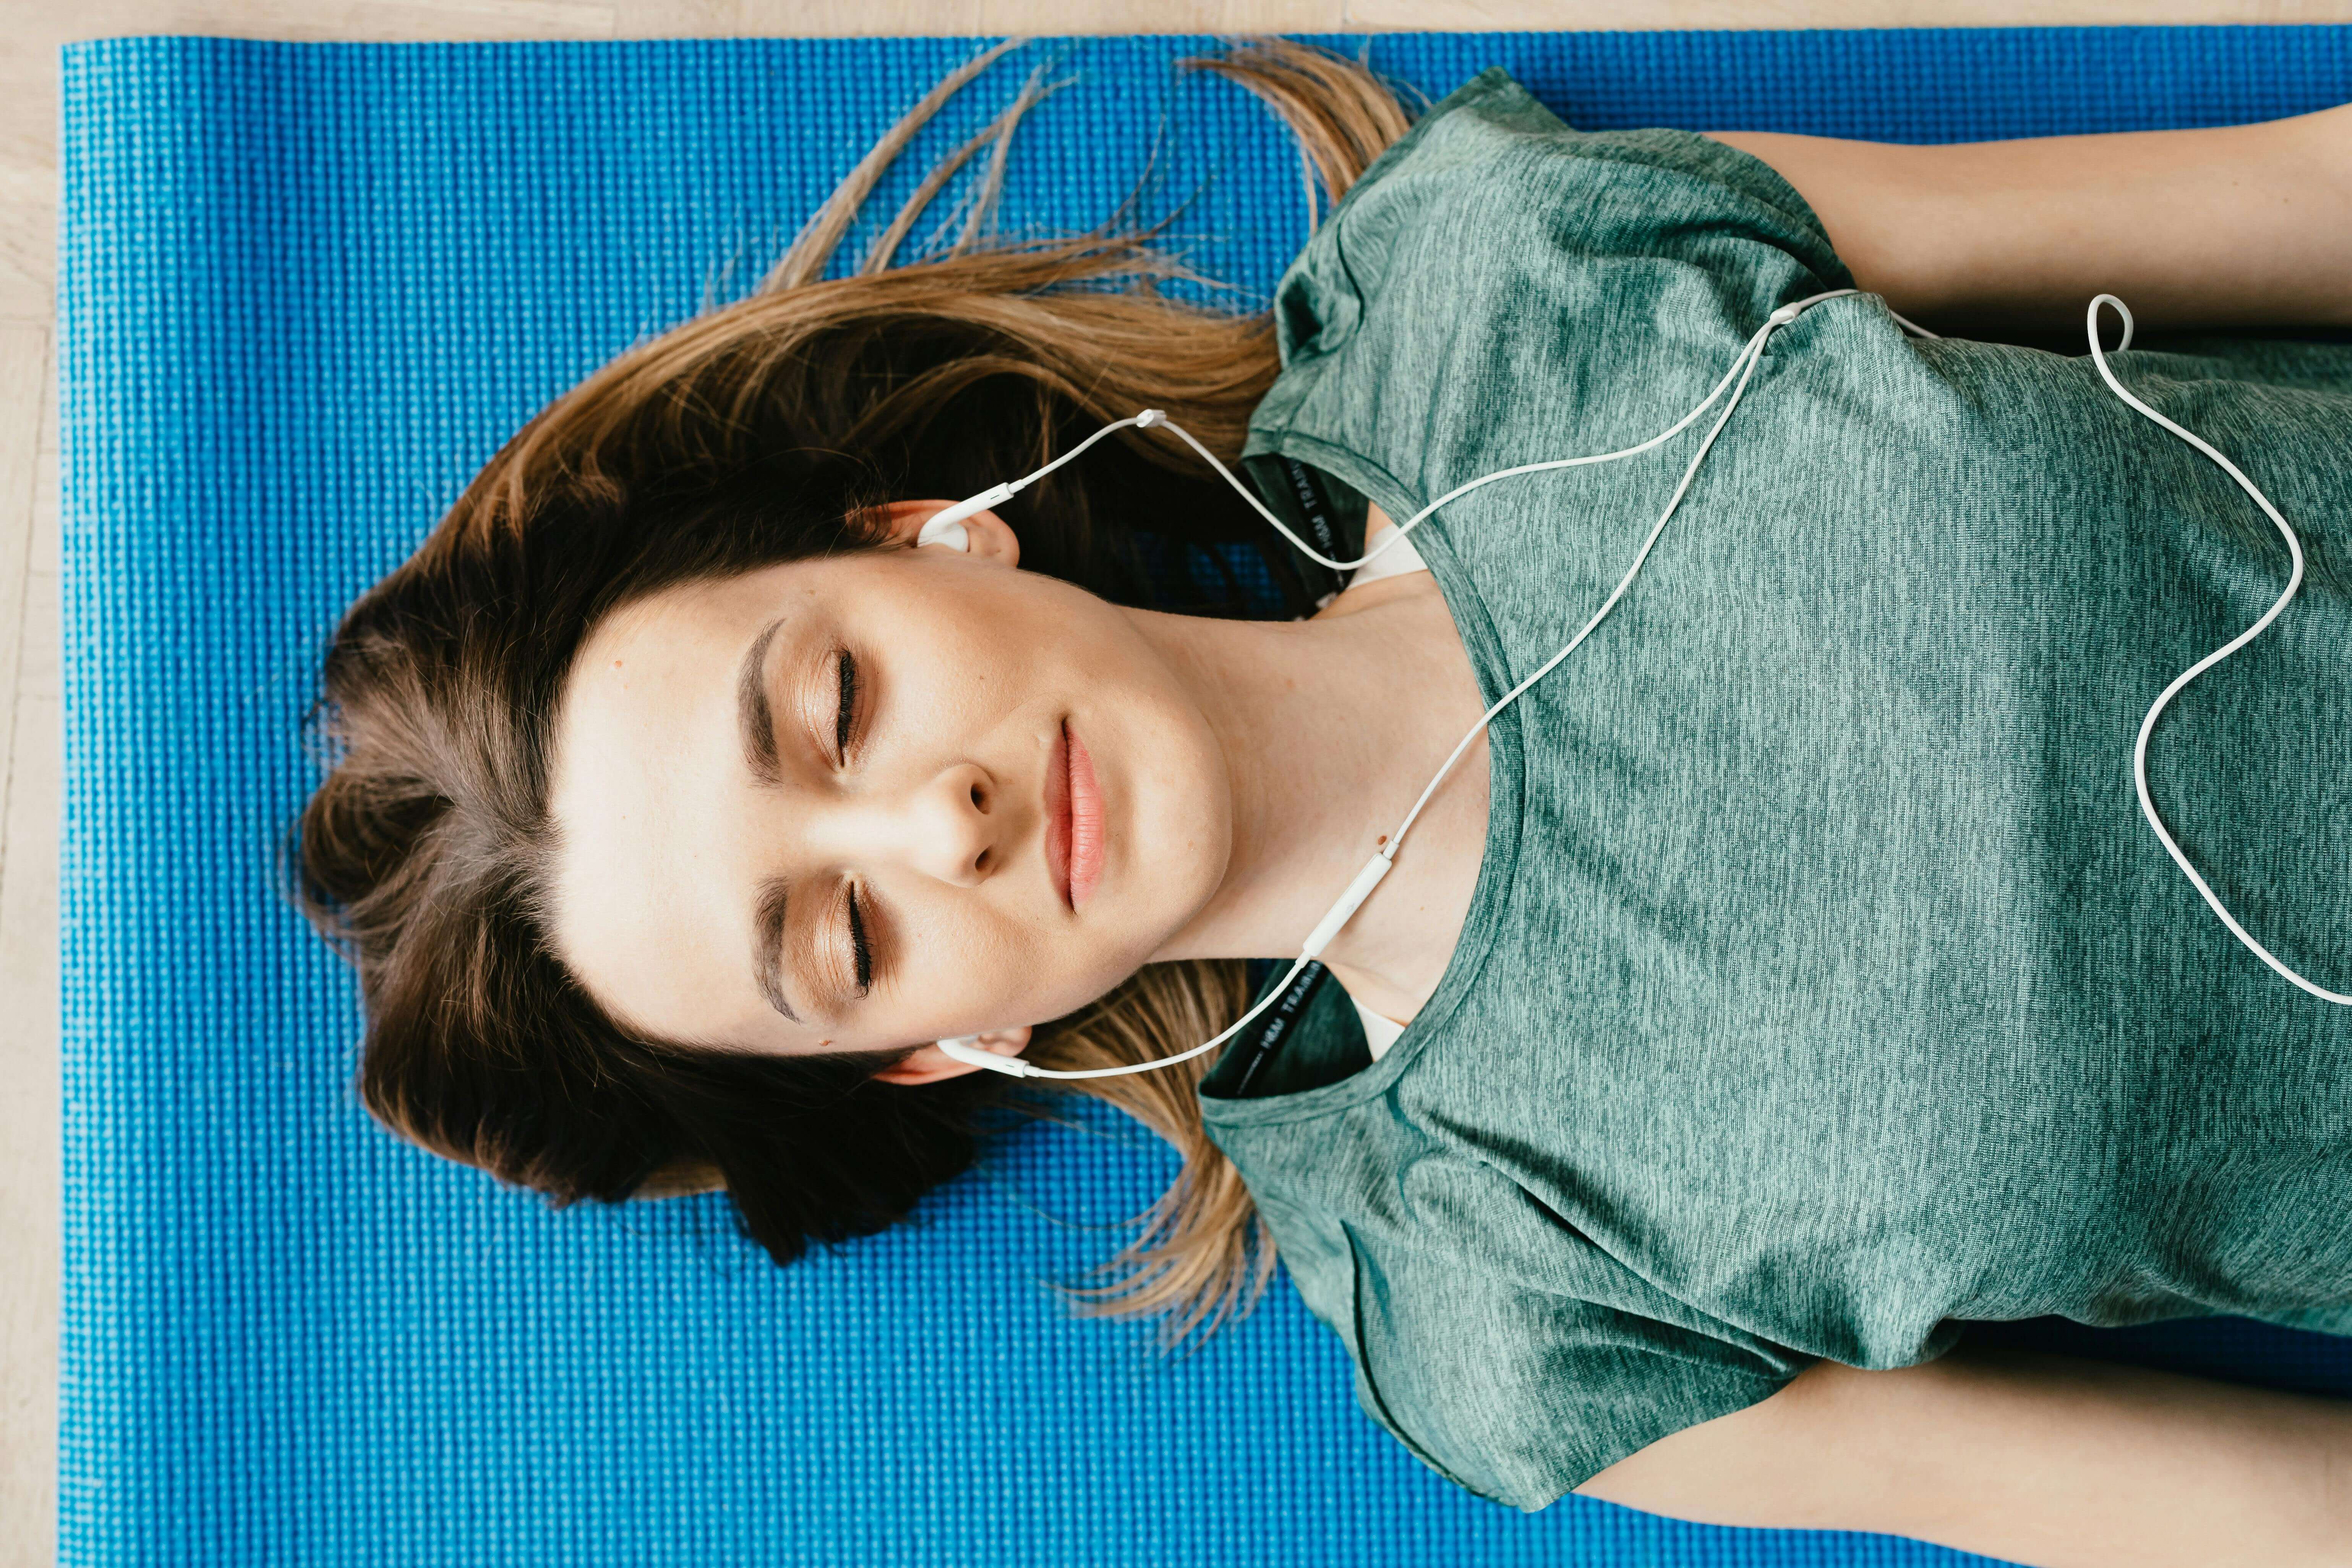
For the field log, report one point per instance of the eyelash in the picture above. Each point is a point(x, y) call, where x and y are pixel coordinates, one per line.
point(845, 666)
point(844, 726)
point(861, 949)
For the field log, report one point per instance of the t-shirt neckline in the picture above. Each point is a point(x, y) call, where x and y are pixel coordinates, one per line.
point(1506, 795)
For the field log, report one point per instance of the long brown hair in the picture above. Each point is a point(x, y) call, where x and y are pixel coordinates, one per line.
point(769, 430)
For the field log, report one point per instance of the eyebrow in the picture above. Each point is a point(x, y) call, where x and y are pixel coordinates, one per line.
point(757, 719)
point(768, 944)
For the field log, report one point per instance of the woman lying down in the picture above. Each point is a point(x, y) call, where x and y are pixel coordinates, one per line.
point(1787, 977)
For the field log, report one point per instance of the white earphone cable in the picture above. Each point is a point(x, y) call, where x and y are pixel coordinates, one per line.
point(1778, 318)
point(1743, 367)
point(1753, 355)
point(997, 494)
point(2147, 725)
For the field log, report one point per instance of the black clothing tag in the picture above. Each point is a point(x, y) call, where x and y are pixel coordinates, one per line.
point(1320, 531)
point(1309, 1036)
point(1315, 507)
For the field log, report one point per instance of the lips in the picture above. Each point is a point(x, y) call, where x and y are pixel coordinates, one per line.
point(1085, 812)
point(1057, 814)
point(1074, 819)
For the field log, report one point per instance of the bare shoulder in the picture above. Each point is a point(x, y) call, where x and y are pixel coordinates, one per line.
point(2044, 1459)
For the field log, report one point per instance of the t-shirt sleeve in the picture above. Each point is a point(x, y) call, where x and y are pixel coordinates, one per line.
point(1522, 1394)
point(1490, 187)
point(1500, 286)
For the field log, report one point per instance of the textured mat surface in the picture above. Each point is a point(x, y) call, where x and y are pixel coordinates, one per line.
point(307, 290)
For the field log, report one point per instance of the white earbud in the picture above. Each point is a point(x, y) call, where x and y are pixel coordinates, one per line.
point(966, 1048)
point(945, 527)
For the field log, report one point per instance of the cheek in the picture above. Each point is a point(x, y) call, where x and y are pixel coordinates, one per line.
point(956, 671)
point(984, 967)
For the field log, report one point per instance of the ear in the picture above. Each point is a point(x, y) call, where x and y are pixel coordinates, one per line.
point(931, 1064)
point(991, 540)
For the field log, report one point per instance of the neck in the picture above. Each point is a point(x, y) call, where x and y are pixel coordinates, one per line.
point(1329, 729)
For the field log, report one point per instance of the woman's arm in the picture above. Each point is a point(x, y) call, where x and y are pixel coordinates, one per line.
point(2042, 1459)
point(2236, 225)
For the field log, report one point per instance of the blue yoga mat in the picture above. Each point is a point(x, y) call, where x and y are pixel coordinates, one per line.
point(307, 290)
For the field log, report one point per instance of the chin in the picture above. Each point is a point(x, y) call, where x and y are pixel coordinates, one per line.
point(1167, 802)
point(1177, 862)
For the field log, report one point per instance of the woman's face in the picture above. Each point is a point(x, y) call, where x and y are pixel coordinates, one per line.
point(875, 800)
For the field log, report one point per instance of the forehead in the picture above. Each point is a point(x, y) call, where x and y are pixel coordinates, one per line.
point(651, 893)
point(684, 625)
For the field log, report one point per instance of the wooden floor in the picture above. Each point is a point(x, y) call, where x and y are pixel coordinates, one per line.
point(30, 33)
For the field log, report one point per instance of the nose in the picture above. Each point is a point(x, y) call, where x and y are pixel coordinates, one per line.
point(947, 827)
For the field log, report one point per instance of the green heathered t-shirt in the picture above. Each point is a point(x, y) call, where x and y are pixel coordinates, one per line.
point(1823, 987)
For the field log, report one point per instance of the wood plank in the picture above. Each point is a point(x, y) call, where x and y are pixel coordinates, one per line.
point(24, 381)
point(358, 21)
point(1571, 16)
point(1224, 16)
point(795, 18)
point(28, 955)
point(28, 1128)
